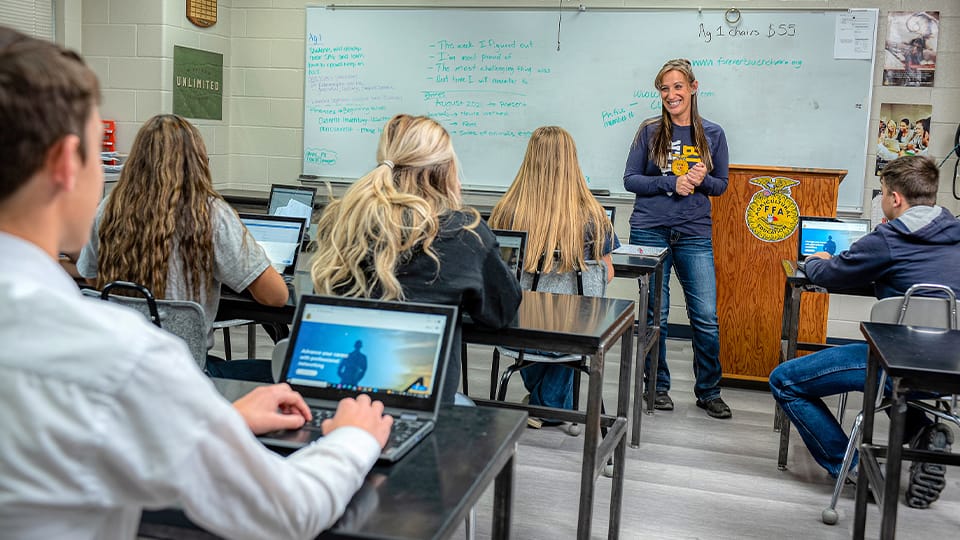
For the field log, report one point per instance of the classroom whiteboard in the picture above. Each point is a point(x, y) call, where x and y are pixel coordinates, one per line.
point(492, 76)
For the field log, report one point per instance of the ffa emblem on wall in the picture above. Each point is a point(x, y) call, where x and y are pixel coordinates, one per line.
point(772, 214)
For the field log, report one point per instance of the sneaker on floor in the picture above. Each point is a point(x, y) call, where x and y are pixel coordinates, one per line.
point(715, 407)
point(927, 480)
point(661, 400)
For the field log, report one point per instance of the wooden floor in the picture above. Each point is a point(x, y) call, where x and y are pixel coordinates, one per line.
point(692, 476)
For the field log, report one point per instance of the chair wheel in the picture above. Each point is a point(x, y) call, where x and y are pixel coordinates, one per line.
point(574, 430)
point(608, 470)
point(829, 516)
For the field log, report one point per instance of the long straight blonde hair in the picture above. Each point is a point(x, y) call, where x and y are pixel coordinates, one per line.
point(661, 145)
point(550, 200)
point(391, 212)
point(161, 203)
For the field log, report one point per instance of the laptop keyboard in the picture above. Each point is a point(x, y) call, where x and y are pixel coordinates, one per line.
point(403, 428)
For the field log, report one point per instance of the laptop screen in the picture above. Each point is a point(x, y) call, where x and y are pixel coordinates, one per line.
point(278, 236)
point(832, 235)
point(391, 351)
point(291, 201)
point(513, 245)
point(611, 213)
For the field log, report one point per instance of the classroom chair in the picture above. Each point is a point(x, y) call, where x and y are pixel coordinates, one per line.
point(933, 312)
point(589, 282)
point(182, 318)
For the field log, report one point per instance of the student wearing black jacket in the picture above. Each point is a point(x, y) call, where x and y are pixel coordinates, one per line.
point(401, 232)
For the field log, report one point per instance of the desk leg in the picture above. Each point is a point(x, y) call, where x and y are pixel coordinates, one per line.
point(790, 328)
point(642, 328)
point(866, 437)
point(590, 440)
point(891, 481)
point(620, 452)
point(503, 499)
point(654, 346)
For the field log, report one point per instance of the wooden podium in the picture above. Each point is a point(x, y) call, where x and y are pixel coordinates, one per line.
point(750, 278)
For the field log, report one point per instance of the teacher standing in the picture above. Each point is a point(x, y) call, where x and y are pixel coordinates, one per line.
point(677, 162)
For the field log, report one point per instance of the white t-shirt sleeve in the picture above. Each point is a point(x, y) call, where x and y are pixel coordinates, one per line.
point(238, 259)
point(87, 263)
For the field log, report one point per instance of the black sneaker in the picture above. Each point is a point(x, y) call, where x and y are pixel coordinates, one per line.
point(661, 400)
point(715, 407)
point(927, 479)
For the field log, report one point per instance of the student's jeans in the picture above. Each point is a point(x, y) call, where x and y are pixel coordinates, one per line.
point(550, 385)
point(693, 258)
point(798, 385)
point(242, 370)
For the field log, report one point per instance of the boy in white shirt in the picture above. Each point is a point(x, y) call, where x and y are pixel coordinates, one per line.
point(104, 414)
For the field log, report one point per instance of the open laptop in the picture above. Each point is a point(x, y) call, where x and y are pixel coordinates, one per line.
point(611, 213)
point(394, 352)
point(833, 235)
point(513, 248)
point(292, 201)
point(280, 237)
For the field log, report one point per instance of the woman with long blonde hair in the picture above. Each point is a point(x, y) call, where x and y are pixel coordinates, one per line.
point(566, 227)
point(677, 161)
point(165, 227)
point(401, 232)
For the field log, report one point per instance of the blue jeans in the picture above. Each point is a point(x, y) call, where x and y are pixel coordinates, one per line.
point(799, 384)
point(550, 385)
point(693, 258)
point(243, 370)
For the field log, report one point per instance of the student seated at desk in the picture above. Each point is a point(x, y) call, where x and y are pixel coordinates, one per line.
point(102, 413)
point(920, 244)
point(165, 227)
point(550, 200)
point(402, 233)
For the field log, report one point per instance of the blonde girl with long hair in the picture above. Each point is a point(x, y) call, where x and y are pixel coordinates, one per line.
point(401, 232)
point(566, 227)
point(165, 227)
point(677, 161)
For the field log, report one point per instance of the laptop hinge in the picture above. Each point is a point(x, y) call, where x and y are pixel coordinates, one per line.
point(408, 416)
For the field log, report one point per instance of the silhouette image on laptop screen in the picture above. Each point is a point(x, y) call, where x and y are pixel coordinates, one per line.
point(394, 352)
point(831, 235)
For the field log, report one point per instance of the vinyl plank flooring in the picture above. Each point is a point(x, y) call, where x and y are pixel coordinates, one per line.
point(693, 477)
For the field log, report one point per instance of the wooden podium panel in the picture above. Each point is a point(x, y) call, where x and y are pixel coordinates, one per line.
point(750, 279)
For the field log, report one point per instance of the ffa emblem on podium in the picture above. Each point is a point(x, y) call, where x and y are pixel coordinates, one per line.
point(772, 214)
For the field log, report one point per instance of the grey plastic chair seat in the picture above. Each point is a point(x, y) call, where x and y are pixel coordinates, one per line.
point(182, 318)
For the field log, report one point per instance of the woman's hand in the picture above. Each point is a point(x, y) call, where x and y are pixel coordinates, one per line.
point(687, 183)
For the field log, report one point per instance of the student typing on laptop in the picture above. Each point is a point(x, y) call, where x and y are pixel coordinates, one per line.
point(166, 228)
point(401, 232)
point(103, 413)
point(920, 244)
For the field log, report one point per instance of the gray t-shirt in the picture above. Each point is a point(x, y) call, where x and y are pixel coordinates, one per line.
point(237, 261)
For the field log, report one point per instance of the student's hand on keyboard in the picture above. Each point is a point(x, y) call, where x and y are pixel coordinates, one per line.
point(272, 408)
point(361, 413)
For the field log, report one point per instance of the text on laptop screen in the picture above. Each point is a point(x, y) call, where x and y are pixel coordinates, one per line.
point(832, 237)
point(368, 350)
point(279, 239)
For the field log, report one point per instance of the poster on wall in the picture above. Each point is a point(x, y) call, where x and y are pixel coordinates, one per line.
point(876, 209)
point(904, 130)
point(910, 51)
point(197, 83)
